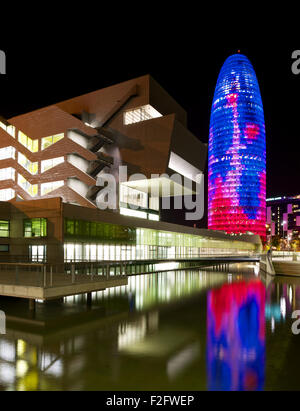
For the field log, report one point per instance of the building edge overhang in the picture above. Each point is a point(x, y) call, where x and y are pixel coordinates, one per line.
point(111, 217)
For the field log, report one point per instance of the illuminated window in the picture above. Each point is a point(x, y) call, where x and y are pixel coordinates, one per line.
point(48, 141)
point(32, 145)
point(133, 213)
point(4, 228)
point(48, 187)
point(154, 203)
point(7, 152)
point(24, 162)
point(35, 227)
point(8, 128)
point(153, 217)
point(38, 253)
point(7, 194)
point(134, 197)
point(7, 173)
point(140, 114)
point(29, 188)
point(52, 162)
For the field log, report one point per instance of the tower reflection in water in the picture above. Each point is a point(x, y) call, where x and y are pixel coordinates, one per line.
point(236, 337)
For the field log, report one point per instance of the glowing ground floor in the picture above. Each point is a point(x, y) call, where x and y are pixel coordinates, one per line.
point(54, 232)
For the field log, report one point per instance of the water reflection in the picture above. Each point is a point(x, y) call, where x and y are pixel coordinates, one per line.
point(236, 336)
point(167, 331)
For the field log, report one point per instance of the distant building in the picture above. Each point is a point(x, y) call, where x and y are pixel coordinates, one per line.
point(283, 218)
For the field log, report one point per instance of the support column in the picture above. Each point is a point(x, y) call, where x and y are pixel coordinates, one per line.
point(31, 304)
point(89, 300)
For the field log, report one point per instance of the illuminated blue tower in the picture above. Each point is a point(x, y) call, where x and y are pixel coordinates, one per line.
point(237, 152)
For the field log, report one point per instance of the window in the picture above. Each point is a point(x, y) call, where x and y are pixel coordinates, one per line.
point(4, 248)
point(7, 152)
point(48, 141)
point(4, 228)
point(154, 217)
point(7, 194)
point(101, 232)
point(7, 173)
point(48, 187)
point(52, 162)
point(35, 227)
point(32, 145)
point(38, 253)
point(8, 128)
point(154, 203)
point(30, 189)
point(133, 213)
point(140, 114)
point(28, 165)
point(134, 197)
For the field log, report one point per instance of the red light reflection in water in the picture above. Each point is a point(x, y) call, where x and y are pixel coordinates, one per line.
point(236, 336)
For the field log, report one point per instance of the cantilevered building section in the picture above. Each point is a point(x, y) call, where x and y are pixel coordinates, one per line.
point(60, 150)
point(51, 159)
point(237, 152)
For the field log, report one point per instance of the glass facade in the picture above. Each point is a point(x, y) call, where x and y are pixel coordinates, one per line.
point(4, 228)
point(8, 128)
point(31, 189)
point(32, 168)
point(140, 114)
point(32, 145)
point(48, 141)
point(35, 227)
point(101, 232)
point(237, 152)
point(38, 253)
point(51, 186)
point(96, 241)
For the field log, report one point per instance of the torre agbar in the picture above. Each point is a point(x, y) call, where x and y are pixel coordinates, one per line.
point(237, 152)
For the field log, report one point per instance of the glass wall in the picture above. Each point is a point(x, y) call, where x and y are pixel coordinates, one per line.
point(32, 145)
point(48, 141)
point(38, 253)
point(95, 241)
point(100, 232)
point(35, 227)
point(4, 228)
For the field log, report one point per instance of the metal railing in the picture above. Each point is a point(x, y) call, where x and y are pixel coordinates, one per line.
point(52, 275)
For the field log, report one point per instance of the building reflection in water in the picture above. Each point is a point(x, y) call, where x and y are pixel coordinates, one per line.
point(71, 346)
point(236, 336)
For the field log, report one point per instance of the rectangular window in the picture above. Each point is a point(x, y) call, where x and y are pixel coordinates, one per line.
point(132, 196)
point(143, 113)
point(7, 173)
point(51, 186)
point(7, 194)
point(132, 213)
point(4, 228)
point(32, 145)
point(8, 128)
point(35, 227)
point(52, 162)
point(48, 141)
point(4, 248)
point(7, 152)
point(27, 164)
point(38, 253)
point(30, 189)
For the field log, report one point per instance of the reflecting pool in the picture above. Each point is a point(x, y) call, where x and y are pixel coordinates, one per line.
point(177, 330)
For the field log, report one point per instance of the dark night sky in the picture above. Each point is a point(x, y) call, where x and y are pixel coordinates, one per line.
point(42, 70)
